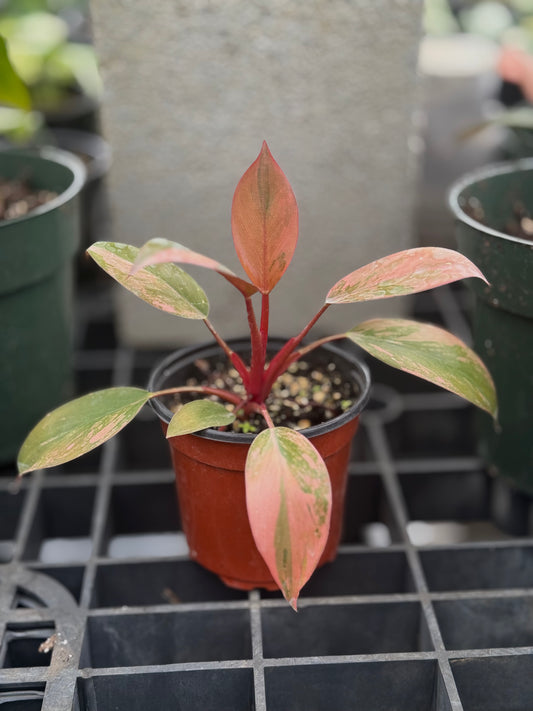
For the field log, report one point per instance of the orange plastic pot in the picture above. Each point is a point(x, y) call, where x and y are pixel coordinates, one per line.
point(209, 469)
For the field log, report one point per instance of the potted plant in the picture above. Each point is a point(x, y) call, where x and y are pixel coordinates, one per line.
point(515, 67)
point(39, 235)
point(493, 208)
point(278, 508)
point(61, 75)
point(22, 124)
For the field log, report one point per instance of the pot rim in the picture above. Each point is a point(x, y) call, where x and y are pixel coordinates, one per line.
point(165, 368)
point(94, 146)
point(476, 176)
point(54, 155)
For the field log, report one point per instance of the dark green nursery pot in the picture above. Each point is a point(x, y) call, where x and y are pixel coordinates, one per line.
point(36, 293)
point(503, 311)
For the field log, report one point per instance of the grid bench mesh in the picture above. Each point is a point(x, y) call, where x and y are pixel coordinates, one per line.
point(93, 558)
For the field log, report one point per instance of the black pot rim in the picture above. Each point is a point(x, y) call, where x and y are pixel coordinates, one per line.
point(168, 366)
point(476, 176)
point(54, 155)
point(96, 148)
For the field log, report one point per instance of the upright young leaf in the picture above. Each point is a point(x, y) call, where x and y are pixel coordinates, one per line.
point(264, 221)
point(165, 286)
point(160, 251)
point(288, 497)
point(198, 415)
point(406, 272)
point(430, 353)
point(79, 426)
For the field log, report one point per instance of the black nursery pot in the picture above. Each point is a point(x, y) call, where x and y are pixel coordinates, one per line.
point(484, 204)
point(95, 152)
point(36, 293)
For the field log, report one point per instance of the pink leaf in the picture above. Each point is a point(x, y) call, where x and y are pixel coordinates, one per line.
point(406, 272)
point(288, 496)
point(161, 251)
point(430, 353)
point(264, 220)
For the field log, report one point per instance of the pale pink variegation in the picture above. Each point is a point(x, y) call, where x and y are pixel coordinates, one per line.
point(406, 272)
point(288, 497)
point(164, 286)
point(161, 251)
point(79, 426)
point(431, 353)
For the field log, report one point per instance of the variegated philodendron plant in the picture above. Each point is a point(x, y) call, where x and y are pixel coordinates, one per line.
point(265, 230)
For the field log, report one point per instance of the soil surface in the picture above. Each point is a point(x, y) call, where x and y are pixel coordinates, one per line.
point(305, 395)
point(518, 224)
point(18, 198)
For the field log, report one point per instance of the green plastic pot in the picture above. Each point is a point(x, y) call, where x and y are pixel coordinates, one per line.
point(36, 294)
point(503, 311)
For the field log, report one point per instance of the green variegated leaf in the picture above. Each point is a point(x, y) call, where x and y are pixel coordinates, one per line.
point(165, 286)
point(430, 353)
point(79, 426)
point(288, 497)
point(406, 272)
point(160, 251)
point(13, 91)
point(199, 415)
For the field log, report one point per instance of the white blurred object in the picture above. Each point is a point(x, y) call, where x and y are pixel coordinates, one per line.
point(377, 535)
point(65, 550)
point(459, 85)
point(152, 545)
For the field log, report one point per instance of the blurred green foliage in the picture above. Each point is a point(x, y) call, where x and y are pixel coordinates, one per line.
point(40, 67)
point(508, 22)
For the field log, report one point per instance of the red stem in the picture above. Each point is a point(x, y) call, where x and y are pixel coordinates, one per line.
point(235, 359)
point(223, 394)
point(311, 347)
point(267, 417)
point(265, 314)
point(256, 343)
point(282, 359)
point(257, 374)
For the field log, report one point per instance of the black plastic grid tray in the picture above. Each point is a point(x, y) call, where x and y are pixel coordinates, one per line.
point(93, 557)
